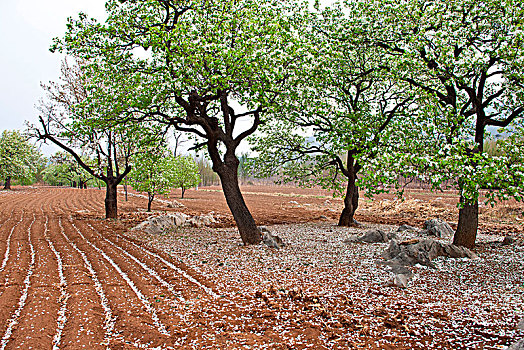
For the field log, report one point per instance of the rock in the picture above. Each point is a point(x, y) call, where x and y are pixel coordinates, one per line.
point(201, 220)
point(519, 345)
point(376, 236)
point(163, 223)
point(520, 325)
point(406, 228)
point(272, 241)
point(508, 240)
point(400, 281)
point(263, 229)
point(438, 228)
point(423, 252)
point(175, 204)
point(401, 274)
point(179, 219)
point(157, 224)
point(400, 270)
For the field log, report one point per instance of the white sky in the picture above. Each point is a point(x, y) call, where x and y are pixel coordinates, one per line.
point(27, 28)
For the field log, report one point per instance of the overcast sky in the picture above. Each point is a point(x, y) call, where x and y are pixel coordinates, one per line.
point(26, 31)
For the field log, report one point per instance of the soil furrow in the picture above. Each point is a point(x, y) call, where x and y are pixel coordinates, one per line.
point(91, 321)
point(62, 299)
point(14, 271)
point(143, 299)
point(41, 308)
point(133, 321)
point(144, 266)
point(12, 322)
point(159, 262)
point(8, 243)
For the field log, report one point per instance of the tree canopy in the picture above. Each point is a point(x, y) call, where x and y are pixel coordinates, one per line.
point(153, 173)
point(77, 117)
point(464, 60)
point(186, 173)
point(18, 158)
point(199, 66)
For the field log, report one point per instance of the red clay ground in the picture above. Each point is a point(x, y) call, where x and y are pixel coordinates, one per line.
point(280, 205)
point(70, 280)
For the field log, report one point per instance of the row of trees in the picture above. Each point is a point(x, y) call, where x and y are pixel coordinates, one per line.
point(19, 159)
point(352, 95)
point(153, 173)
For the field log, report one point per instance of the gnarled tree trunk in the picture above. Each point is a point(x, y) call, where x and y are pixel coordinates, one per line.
point(351, 198)
point(228, 173)
point(347, 217)
point(466, 232)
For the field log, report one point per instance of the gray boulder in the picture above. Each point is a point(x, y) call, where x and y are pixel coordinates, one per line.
point(437, 228)
point(164, 223)
point(412, 252)
point(175, 204)
point(376, 236)
point(179, 219)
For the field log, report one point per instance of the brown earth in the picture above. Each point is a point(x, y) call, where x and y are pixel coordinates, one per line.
point(281, 204)
point(72, 280)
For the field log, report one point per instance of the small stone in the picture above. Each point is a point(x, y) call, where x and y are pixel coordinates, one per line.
point(272, 241)
point(263, 229)
point(376, 236)
point(406, 228)
point(400, 281)
point(508, 240)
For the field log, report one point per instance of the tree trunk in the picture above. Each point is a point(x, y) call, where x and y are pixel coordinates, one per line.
point(7, 185)
point(351, 198)
point(466, 232)
point(243, 218)
point(350, 205)
point(183, 192)
point(111, 199)
point(125, 191)
point(150, 198)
